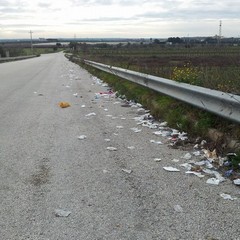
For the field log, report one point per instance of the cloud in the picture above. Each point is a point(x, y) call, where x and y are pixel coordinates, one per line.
point(44, 5)
point(121, 17)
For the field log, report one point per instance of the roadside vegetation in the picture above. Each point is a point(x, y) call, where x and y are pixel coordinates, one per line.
point(215, 67)
point(16, 50)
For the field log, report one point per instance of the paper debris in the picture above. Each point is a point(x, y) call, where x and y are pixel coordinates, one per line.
point(171, 169)
point(61, 213)
point(90, 114)
point(81, 137)
point(217, 174)
point(187, 156)
point(156, 142)
point(213, 181)
point(131, 147)
point(111, 148)
point(163, 124)
point(175, 160)
point(227, 196)
point(157, 159)
point(64, 104)
point(136, 130)
point(209, 154)
point(236, 181)
point(198, 174)
point(126, 170)
point(83, 106)
point(186, 165)
point(107, 140)
point(178, 208)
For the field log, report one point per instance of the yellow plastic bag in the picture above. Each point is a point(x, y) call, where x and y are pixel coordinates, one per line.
point(64, 104)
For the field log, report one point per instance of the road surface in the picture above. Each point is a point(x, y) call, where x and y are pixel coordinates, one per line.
point(46, 171)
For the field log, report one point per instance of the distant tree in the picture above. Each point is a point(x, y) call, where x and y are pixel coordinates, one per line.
point(156, 41)
point(73, 45)
point(175, 40)
point(2, 52)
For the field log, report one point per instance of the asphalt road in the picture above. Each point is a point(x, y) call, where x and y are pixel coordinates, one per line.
point(45, 168)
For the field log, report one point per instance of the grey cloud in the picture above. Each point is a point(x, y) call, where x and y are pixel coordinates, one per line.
point(103, 19)
point(12, 10)
point(91, 2)
point(44, 5)
point(5, 3)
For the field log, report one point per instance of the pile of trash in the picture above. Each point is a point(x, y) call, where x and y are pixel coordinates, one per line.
point(200, 160)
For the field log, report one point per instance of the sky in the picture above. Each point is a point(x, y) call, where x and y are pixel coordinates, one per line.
point(118, 18)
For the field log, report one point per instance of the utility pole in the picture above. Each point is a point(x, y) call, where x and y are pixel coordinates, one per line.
point(31, 41)
point(220, 32)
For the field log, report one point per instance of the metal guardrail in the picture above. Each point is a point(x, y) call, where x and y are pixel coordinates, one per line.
point(8, 59)
point(220, 103)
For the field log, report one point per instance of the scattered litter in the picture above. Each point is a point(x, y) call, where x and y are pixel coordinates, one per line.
point(200, 163)
point(156, 142)
point(126, 105)
point(90, 114)
point(111, 148)
point(213, 181)
point(131, 147)
point(171, 169)
point(187, 156)
point(64, 104)
point(75, 94)
point(116, 134)
point(61, 213)
point(83, 106)
point(196, 146)
point(136, 130)
point(236, 181)
point(81, 137)
point(197, 153)
point(227, 196)
point(175, 160)
point(217, 174)
point(198, 174)
point(163, 124)
point(105, 109)
point(67, 86)
point(203, 142)
point(126, 170)
point(212, 155)
point(109, 115)
point(228, 173)
point(186, 165)
point(157, 159)
point(107, 140)
point(178, 208)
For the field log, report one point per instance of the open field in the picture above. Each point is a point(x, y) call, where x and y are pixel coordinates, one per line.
point(215, 67)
